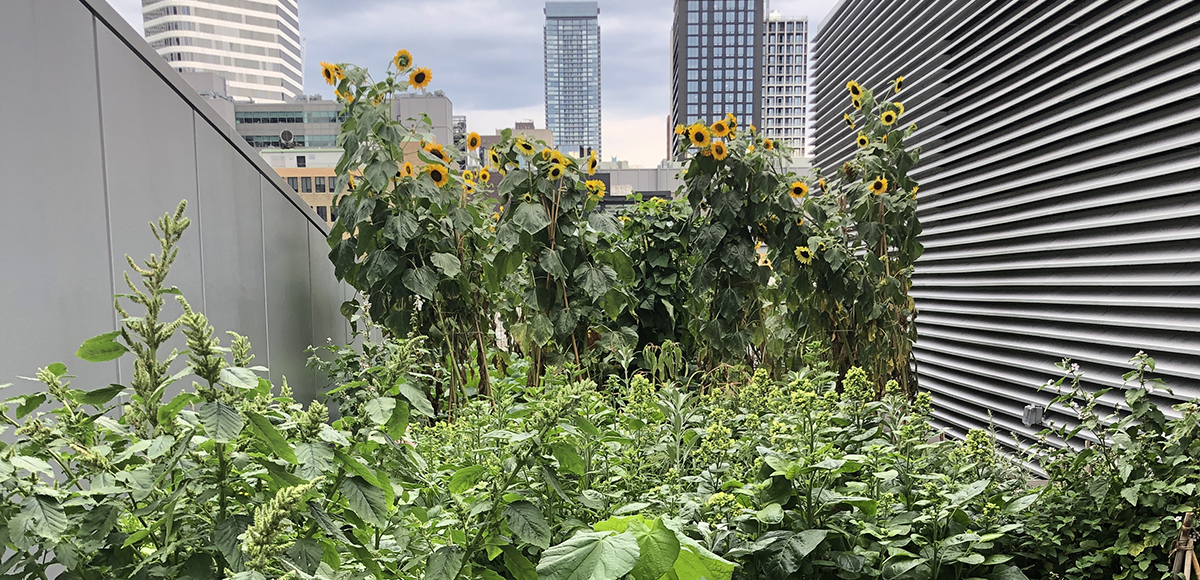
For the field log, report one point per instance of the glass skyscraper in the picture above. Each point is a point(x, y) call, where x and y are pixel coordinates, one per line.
point(254, 46)
point(572, 62)
point(785, 81)
point(716, 60)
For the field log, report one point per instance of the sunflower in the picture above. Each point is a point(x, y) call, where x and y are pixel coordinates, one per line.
point(898, 84)
point(768, 144)
point(803, 255)
point(700, 136)
point(473, 141)
point(468, 187)
point(438, 174)
point(419, 79)
point(546, 153)
point(750, 149)
point(596, 187)
point(525, 147)
point(408, 169)
point(330, 73)
point(821, 184)
point(752, 129)
point(862, 140)
point(799, 189)
point(468, 175)
point(856, 91)
point(719, 151)
point(914, 191)
point(593, 163)
point(402, 60)
point(899, 108)
point(555, 172)
point(679, 129)
point(494, 158)
point(731, 119)
point(720, 128)
point(496, 216)
point(527, 197)
point(857, 104)
point(879, 185)
point(485, 176)
point(888, 118)
point(436, 150)
point(351, 184)
point(849, 120)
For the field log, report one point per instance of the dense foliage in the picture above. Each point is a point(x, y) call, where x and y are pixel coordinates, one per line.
point(751, 259)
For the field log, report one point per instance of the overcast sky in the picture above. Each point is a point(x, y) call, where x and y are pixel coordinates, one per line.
point(487, 56)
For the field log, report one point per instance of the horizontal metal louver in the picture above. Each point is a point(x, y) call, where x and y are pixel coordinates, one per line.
point(1059, 181)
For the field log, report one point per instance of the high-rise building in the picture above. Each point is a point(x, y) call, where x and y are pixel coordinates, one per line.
point(572, 68)
point(785, 81)
point(254, 46)
point(716, 60)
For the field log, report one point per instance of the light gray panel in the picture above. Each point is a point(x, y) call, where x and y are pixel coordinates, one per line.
point(55, 276)
point(289, 296)
point(150, 162)
point(231, 221)
point(329, 326)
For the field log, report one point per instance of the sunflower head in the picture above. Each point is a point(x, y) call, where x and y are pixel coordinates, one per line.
point(879, 185)
point(857, 104)
point(719, 150)
point(547, 153)
point(752, 129)
point(856, 91)
point(899, 108)
point(419, 78)
point(750, 149)
point(468, 175)
point(898, 84)
point(803, 255)
point(821, 184)
point(720, 128)
point(402, 60)
point(593, 164)
point(700, 136)
point(329, 72)
point(862, 140)
point(555, 172)
point(914, 191)
point(848, 119)
point(494, 158)
point(485, 176)
point(525, 147)
point(595, 187)
point(473, 141)
point(408, 169)
point(798, 190)
point(768, 144)
point(436, 150)
point(438, 174)
point(888, 118)
point(731, 119)
point(679, 129)
point(527, 197)
point(468, 187)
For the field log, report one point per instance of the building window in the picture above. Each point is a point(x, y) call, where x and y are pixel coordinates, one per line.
point(293, 183)
point(301, 161)
point(322, 212)
point(320, 183)
point(305, 185)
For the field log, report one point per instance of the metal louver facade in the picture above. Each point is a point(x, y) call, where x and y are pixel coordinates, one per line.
point(1059, 180)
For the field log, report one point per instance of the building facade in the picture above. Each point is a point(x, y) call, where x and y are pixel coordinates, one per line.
point(1058, 192)
point(572, 74)
point(255, 46)
point(311, 122)
point(716, 61)
point(785, 82)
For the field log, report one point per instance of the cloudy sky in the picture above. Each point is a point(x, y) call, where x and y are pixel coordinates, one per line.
point(487, 56)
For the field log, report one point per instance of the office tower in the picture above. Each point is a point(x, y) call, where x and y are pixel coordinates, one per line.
point(716, 60)
point(785, 81)
point(572, 69)
point(254, 46)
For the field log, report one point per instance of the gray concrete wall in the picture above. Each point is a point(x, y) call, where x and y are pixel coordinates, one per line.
point(99, 137)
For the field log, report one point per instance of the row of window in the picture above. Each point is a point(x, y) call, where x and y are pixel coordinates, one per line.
point(694, 5)
point(744, 112)
point(717, 74)
point(226, 46)
point(702, 29)
point(784, 49)
point(728, 86)
point(787, 38)
point(785, 101)
point(264, 141)
point(789, 26)
point(312, 184)
point(719, 40)
point(785, 70)
point(718, 51)
point(288, 117)
point(782, 80)
point(784, 90)
point(781, 59)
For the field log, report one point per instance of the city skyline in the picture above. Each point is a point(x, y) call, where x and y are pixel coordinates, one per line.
point(486, 56)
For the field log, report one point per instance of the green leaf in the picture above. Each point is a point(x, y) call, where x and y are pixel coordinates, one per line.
point(551, 261)
point(1007, 573)
point(695, 562)
point(798, 547)
point(45, 515)
point(568, 458)
point(380, 409)
point(968, 493)
point(57, 369)
point(518, 565)
point(971, 559)
point(604, 222)
point(1019, 504)
point(400, 229)
point(595, 280)
point(29, 403)
point(658, 549)
point(444, 563)
point(356, 467)
point(99, 397)
point(772, 514)
point(447, 263)
point(527, 523)
point(367, 501)
point(31, 464)
point(101, 348)
point(466, 478)
point(416, 397)
point(239, 378)
point(1130, 494)
point(530, 217)
point(268, 434)
point(222, 423)
point(225, 537)
point(421, 281)
point(896, 568)
point(591, 556)
point(315, 459)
